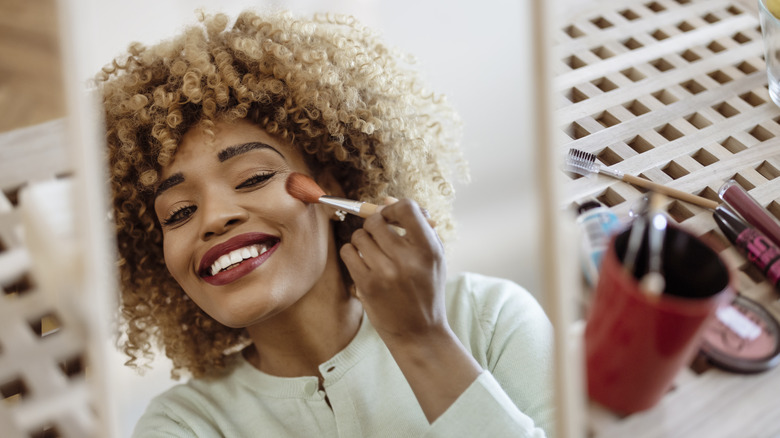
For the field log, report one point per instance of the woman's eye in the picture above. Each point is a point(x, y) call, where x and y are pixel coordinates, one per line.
point(179, 215)
point(255, 180)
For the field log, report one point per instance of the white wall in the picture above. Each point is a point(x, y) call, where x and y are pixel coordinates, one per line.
point(475, 52)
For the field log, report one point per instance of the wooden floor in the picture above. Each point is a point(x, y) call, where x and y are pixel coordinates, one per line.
point(31, 88)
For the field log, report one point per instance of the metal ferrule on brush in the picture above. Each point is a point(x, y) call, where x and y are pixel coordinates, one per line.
point(612, 172)
point(347, 205)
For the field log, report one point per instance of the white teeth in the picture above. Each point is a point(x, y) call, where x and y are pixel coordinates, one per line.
point(224, 261)
point(237, 256)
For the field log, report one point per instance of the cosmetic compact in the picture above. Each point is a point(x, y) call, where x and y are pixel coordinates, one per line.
point(742, 337)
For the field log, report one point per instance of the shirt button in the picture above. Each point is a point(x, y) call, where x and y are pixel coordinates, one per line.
point(330, 369)
point(310, 387)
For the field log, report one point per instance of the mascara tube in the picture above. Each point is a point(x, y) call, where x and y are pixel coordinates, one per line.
point(758, 248)
point(747, 207)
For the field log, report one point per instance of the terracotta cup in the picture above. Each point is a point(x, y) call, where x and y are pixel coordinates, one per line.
point(636, 342)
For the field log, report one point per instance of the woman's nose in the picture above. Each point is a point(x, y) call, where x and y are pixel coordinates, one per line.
point(219, 215)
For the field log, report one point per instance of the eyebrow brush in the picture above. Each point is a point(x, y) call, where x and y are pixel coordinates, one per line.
point(584, 163)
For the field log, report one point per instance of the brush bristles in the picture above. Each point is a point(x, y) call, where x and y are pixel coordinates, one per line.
point(304, 188)
point(581, 162)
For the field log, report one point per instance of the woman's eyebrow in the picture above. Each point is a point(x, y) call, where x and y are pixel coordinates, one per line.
point(176, 178)
point(232, 151)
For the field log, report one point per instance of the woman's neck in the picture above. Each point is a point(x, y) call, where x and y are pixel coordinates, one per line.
point(295, 342)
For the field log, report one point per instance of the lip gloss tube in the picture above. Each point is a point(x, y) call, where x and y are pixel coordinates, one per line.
point(758, 248)
point(756, 215)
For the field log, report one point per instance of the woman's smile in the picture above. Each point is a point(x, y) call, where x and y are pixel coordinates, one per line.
point(237, 257)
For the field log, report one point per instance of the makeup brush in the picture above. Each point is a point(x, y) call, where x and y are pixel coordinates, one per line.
point(653, 282)
point(584, 163)
point(635, 238)
point(307, 190)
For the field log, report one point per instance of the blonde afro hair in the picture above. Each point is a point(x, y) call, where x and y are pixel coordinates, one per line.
point(326, 85)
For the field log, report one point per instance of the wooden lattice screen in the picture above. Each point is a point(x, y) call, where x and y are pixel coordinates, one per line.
point(47, 341)
point(674, 91)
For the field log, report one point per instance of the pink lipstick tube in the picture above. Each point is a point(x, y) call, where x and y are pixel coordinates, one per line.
point(758, 248)
point(755, 214)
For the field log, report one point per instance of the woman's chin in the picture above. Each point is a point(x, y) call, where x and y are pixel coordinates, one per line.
point(243, 316)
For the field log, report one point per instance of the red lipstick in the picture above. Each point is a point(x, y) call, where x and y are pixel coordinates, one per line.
point(263, 245)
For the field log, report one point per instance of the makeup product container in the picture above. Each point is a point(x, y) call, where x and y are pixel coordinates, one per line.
point(758, 248)
point(598, 223)
point(753, 212)
point(743, 337)
point(636, 342)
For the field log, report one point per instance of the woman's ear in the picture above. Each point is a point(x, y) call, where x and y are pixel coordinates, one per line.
point(329, 184)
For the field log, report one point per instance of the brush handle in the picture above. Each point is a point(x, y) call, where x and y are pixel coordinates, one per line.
point(367, 209)
point(362, 209)
point(668, 191)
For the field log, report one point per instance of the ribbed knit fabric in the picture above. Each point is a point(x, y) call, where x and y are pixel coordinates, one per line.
point(497, 320)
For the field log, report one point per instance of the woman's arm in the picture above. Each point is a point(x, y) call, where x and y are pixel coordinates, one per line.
point(400, 280)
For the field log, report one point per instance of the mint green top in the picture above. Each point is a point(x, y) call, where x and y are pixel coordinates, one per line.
point(498, 321)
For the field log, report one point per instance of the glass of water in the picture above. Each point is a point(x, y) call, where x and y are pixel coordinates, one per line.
point(770, 29)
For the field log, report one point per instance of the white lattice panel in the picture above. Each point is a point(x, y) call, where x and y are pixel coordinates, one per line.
point(47, 377)
point(674, 91)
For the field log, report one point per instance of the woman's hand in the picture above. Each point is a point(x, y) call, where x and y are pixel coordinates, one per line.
point(400, 279)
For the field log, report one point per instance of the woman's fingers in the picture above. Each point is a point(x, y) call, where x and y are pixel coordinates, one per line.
point(378, 256)
point(409, 216)
point(370, 250)
point(355, 264)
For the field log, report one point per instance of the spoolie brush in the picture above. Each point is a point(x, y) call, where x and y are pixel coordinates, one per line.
point(584, 163)
point(307, 190)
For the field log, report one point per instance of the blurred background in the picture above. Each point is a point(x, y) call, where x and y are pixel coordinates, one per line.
point(475, 53)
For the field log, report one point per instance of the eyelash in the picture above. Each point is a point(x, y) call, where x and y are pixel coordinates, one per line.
point(177, 215)
point(255, 180)
point(184, 212)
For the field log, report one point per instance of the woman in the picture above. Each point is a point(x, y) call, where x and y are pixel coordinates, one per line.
point(291, 320)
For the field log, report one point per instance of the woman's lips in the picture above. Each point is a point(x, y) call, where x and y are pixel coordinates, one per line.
point(236, 257)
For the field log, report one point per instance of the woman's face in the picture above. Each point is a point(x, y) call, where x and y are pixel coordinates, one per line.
point(239, 245)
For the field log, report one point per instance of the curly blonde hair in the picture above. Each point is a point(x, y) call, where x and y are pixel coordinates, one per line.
point(326, 85)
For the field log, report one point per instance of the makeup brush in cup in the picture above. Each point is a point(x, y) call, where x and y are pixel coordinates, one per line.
point(307, 190)
point(635, 238)
point(650, 226)
point(584, 163)
point(653, 282)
